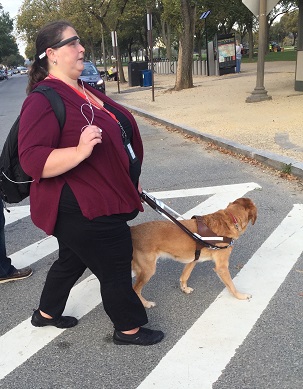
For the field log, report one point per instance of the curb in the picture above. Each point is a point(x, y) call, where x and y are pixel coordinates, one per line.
point(272, 160)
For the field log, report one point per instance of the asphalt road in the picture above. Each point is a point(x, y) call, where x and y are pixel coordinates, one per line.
point(211, 339)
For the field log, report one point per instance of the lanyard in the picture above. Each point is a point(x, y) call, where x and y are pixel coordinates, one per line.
point(92, 101)
point(87, 97)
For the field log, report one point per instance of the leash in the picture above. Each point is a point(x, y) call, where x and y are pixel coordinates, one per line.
point(167, 212)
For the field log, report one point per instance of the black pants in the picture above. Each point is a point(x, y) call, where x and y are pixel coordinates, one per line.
point(106, 249)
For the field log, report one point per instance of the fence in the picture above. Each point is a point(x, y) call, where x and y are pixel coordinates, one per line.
point(167, 67)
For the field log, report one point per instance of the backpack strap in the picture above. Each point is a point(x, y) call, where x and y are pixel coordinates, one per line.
point(55, 101)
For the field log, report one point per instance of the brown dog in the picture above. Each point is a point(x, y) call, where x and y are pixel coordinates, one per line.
point(156, 239)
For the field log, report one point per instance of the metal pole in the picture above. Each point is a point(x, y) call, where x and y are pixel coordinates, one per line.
point(103, 50)
point(206, 40)
point(115, 50)
point(259, 93)
point(299, 63)
point(150, 44)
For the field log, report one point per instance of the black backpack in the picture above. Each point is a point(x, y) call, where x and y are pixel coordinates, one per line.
point(14, 182)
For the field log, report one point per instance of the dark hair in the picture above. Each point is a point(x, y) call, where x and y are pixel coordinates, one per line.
point(47, 37)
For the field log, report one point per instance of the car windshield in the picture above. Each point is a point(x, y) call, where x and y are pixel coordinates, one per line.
point(89, 70)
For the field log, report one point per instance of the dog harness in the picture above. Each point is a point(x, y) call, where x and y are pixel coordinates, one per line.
point(203, 230)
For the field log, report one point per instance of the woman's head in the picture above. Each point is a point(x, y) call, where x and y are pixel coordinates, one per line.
point(52, 53)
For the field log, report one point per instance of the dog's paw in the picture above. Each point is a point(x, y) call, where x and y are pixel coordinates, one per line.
point(186, 289)
point(149, 304)
point(243, 296)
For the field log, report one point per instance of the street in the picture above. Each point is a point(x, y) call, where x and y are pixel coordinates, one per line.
point(212, 340)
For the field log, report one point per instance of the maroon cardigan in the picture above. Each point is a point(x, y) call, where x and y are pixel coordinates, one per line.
point(101, 183)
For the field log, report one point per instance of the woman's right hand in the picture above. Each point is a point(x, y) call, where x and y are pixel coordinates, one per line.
point(62, 160)
point(90, 136)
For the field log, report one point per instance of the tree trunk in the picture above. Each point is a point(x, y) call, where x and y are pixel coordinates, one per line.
point(184, 78)
point(250, 42)
point(166, 34)
point(120, 67)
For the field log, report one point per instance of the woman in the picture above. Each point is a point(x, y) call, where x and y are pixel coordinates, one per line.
point(86, 186)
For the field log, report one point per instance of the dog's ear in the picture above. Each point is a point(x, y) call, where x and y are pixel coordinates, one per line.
point(249, 207)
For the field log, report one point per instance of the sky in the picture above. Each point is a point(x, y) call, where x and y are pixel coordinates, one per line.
point(12, 6)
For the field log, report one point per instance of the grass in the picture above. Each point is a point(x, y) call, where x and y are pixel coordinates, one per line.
point(287, 169)
point(286, 55)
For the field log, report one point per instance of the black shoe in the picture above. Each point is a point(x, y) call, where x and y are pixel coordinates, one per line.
point(62, 322)
point(144, 337)
point(17, 274)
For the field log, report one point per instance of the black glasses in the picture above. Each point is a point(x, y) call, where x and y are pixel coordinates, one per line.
point(65, 42)
point(60, 44)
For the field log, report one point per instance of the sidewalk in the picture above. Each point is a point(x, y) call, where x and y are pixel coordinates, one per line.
point(216, 111)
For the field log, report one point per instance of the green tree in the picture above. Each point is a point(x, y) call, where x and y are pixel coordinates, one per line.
point(33, 15)
point(289, 23)
point(8, 45)
point(13, 60)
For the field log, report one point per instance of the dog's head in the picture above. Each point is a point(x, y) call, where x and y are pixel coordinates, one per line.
point(248, 206)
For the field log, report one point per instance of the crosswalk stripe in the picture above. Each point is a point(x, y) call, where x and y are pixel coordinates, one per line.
point(214, 202)
point(208, 190)
point(199, 357)
point(24, 340)
point(34, 252)
point(16, 213)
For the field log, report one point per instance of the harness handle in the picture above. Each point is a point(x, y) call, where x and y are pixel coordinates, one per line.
point(153, 203)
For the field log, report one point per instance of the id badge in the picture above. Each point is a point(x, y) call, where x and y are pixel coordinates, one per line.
point(130, 152)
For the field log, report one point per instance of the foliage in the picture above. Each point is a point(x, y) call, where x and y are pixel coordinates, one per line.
point(289, 23)
point(33, 15)
point(8, 45)
point(13, 60)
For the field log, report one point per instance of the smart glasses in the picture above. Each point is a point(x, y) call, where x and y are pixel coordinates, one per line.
point(60, 44)
point(65, 42)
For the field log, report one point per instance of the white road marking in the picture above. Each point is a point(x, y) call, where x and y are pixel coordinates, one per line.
point(199, 357)
point(24, 340)
point(34, 252)
point(16, 213)
point(221, 196)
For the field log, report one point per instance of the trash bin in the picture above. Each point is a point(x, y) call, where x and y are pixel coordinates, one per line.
point(146, 78)
point(134, 72)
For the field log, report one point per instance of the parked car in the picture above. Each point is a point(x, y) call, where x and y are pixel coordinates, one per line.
point(23, 70)
point(91, 75)
point(3, 75)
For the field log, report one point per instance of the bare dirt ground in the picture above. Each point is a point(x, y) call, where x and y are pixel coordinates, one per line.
point(217, 106)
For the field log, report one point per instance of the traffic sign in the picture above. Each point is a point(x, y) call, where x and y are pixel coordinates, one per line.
point(254, 5)
point(205, 14)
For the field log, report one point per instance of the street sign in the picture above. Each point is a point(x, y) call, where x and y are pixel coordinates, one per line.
point(205, 14)
point(254, 5)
